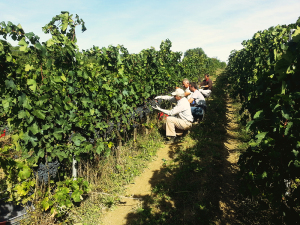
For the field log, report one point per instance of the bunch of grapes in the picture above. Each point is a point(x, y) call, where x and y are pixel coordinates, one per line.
point(135, 125)
point(153, 102)
point(91, 140)
point(97, 134)
point(159, 101)
point(4, 130)
point(70, 138)
point(110, 127)
point(139, 112)
point(147, 110)
point(45, 171)
point(119, 126)
point(131, 116)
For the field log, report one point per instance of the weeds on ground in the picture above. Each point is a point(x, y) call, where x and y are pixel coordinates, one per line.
point(110, 175)
point(242, 134)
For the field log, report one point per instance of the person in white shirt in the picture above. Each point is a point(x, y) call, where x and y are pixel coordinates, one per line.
point(186, 87)
point(197, 101)
point(180, 117)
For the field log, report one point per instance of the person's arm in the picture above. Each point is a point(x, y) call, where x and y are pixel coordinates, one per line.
point(191, 100)
point(165, 97)
point(176, 110)
point(187, 93)
point(207, 84)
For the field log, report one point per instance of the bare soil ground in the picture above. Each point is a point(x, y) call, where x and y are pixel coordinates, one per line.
point(229, 188)
point(138, 191)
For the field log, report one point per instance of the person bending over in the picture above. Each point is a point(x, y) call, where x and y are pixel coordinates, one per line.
point(180, 117)
point(207, 86)
point(197, 101)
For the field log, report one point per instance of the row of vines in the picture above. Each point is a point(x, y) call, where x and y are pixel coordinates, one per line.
point(265, 77)
point(60, 104)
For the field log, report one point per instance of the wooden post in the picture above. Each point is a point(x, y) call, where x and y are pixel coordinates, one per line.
point(74, 170)
point(118, 149)
point(87, 170)
point(134, 135)
point(147, 122)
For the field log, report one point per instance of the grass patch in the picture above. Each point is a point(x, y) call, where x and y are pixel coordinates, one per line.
point(241, 132)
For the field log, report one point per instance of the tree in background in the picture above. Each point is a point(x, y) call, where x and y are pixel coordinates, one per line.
point(196, 63)
point(198, 51)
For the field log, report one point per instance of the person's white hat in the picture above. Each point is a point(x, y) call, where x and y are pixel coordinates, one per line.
point(179, 92)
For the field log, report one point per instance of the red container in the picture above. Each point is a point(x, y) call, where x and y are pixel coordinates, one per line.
point(162, 116)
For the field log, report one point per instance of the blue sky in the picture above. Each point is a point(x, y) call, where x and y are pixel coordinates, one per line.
point(217, 26)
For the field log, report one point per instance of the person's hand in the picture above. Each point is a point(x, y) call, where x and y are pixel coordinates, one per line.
point(177, 87)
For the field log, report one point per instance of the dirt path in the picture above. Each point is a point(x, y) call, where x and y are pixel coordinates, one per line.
point(229, 189)
point(141, 189)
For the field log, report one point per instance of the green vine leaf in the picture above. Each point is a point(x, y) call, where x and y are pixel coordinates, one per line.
point(24, 173)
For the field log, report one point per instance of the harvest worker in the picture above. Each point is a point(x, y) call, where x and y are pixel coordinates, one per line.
point(180, 117)
point(186, 86)
point(197, 102)
point(207, 86)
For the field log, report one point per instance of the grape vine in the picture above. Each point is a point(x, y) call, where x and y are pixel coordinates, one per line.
point(265, 76)
point(60, 102)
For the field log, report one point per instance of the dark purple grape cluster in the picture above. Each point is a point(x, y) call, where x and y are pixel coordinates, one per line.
point(159, 101)
point(133, 116)
point(44, 171)
point(110, 127)
point(91, 140)
point(135, 125)
point(153, 102)
point(147, 110)
point(139, 111)
point(97, 133)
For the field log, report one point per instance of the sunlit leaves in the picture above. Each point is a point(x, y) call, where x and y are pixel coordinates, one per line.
point(23, 44)
point(32, 84)
point(24, 173)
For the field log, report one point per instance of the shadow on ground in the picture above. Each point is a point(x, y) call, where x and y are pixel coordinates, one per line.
point(200, 187)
